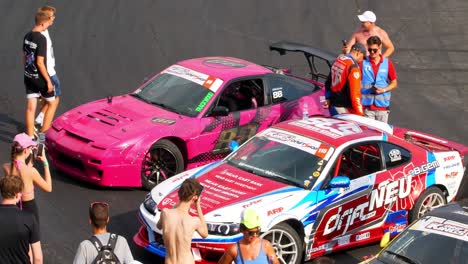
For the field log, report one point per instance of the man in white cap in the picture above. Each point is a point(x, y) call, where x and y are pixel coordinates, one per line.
point(369, 28)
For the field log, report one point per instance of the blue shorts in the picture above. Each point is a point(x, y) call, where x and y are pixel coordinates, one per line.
point(56, 82)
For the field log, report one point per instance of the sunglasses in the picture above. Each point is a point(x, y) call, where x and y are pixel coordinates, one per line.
point(372, 50)
point(254, 232)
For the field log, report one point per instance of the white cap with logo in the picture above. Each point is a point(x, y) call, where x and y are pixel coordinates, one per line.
point(367, 16)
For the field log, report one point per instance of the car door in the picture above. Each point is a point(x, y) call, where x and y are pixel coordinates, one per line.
point(348, 213)
point(249, 110)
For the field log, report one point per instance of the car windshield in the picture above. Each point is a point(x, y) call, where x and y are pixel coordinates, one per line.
point(179, 90)
point(422, 247)
point(282, 156)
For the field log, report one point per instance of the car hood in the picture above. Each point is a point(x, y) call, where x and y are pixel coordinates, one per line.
point(121, 118)
point(226, 188)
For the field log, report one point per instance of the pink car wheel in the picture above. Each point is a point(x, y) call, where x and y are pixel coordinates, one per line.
point(162, 161)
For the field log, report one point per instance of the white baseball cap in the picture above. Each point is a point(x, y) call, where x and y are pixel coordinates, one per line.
point(367, 16)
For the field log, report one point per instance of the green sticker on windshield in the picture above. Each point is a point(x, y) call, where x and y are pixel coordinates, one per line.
point(205, 100)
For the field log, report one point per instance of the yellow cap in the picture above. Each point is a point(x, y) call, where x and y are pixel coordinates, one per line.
point(250, 218)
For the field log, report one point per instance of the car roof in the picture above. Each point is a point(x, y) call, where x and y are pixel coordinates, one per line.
point(225, 68)
point(337, 130)
point(453, 211)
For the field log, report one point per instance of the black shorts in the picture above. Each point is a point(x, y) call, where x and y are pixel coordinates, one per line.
point(38, 88)
point(31, 206)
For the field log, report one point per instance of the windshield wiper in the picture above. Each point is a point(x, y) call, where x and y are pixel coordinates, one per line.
point(141, 98)
point(170, 108)
point(403, 257)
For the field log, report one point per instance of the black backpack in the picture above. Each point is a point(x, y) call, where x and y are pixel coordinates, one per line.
point(106, 253)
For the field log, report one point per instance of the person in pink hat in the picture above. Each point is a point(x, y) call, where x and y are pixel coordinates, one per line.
point(23, 151)
point(369, 28)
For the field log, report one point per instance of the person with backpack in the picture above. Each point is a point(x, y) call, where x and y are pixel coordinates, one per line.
point(103, 247)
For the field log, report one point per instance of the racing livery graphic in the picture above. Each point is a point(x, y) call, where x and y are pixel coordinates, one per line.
point(182, 118)
point(320, 185)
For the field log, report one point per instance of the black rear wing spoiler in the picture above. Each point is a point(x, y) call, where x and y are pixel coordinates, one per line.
point(310, 53)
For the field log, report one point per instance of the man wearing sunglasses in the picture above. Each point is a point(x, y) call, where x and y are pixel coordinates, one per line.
point(378, 79)
point(251, 248)
point(88, 249)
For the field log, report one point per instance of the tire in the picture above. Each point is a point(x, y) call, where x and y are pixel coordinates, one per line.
point(430, 199)
point(286, 242)
point(162, 161)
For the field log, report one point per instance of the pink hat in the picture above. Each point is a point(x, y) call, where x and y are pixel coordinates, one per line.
point(24, 140)
point(367, 16)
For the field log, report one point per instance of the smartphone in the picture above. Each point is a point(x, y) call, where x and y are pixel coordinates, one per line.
point(40, 150)
point(344, 41)
point(201, 190)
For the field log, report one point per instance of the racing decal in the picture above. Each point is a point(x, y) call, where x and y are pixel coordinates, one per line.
point(226, 185)
point(163, 121)
point(239, 134)
point(394, 155)
point(203, 103)
point(254, 202)
point(329, 127)
point(356, 75)
point(343, 240)
point(452, 174)
point(277, 92)
point(275, 211)
point(424, 168)
point(442, 227)
point(205, 80)
point(345, 217)
point(397, 228)
point(322, 151)
point(223, 63)
point(363, 236)
point(299, 142)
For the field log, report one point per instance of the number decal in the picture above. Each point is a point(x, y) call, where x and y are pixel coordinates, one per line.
point(240, 134)
point(277, 94)
point(336, 75)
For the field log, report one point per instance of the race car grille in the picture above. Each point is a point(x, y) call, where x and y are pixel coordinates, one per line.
point(75, 163)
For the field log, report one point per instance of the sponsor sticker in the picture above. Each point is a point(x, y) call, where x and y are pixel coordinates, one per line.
point(329, 127)
point(395, 155)
point(306, 144)
point(205, 80)
point(205, 100)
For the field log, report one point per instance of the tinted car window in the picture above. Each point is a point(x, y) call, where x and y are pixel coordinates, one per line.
point(285, 88)
point(395, 155)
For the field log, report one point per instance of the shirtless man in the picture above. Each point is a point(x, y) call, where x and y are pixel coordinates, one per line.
point(369, 28)
point(178, 225)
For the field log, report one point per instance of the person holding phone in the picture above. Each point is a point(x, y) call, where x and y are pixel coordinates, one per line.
point(178, 225)
point(23, 151)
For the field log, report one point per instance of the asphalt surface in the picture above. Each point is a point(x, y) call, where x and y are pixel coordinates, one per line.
point(108, 47)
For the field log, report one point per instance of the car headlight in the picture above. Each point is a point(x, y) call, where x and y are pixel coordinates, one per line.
point(150, 204)
point(223, 229)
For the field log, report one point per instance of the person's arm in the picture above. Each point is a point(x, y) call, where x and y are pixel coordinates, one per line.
point(270, 252)
point(41, 54)
point(202, 229)
point(354, 80)
point(43, 70)
point(127, 257)
point(393, 84)
point(159, 225)
point(229, 255)
point(46, 182)
point(387, 44)
point(351, 41)
point(392, 76)
point(80, 256)
point(37, 252)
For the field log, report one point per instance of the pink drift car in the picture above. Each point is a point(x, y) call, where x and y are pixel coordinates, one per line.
point(182, 118)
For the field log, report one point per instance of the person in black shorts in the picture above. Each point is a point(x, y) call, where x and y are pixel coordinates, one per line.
point(36, 79)
point(19, 233)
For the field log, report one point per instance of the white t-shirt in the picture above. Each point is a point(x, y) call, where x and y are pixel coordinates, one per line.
point(50, 54)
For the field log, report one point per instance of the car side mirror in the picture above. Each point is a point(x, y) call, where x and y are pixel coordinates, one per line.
point(385, 240)
point(339, 182)
point(220, 111)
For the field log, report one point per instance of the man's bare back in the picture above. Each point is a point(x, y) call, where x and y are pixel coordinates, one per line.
point(178, 228)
